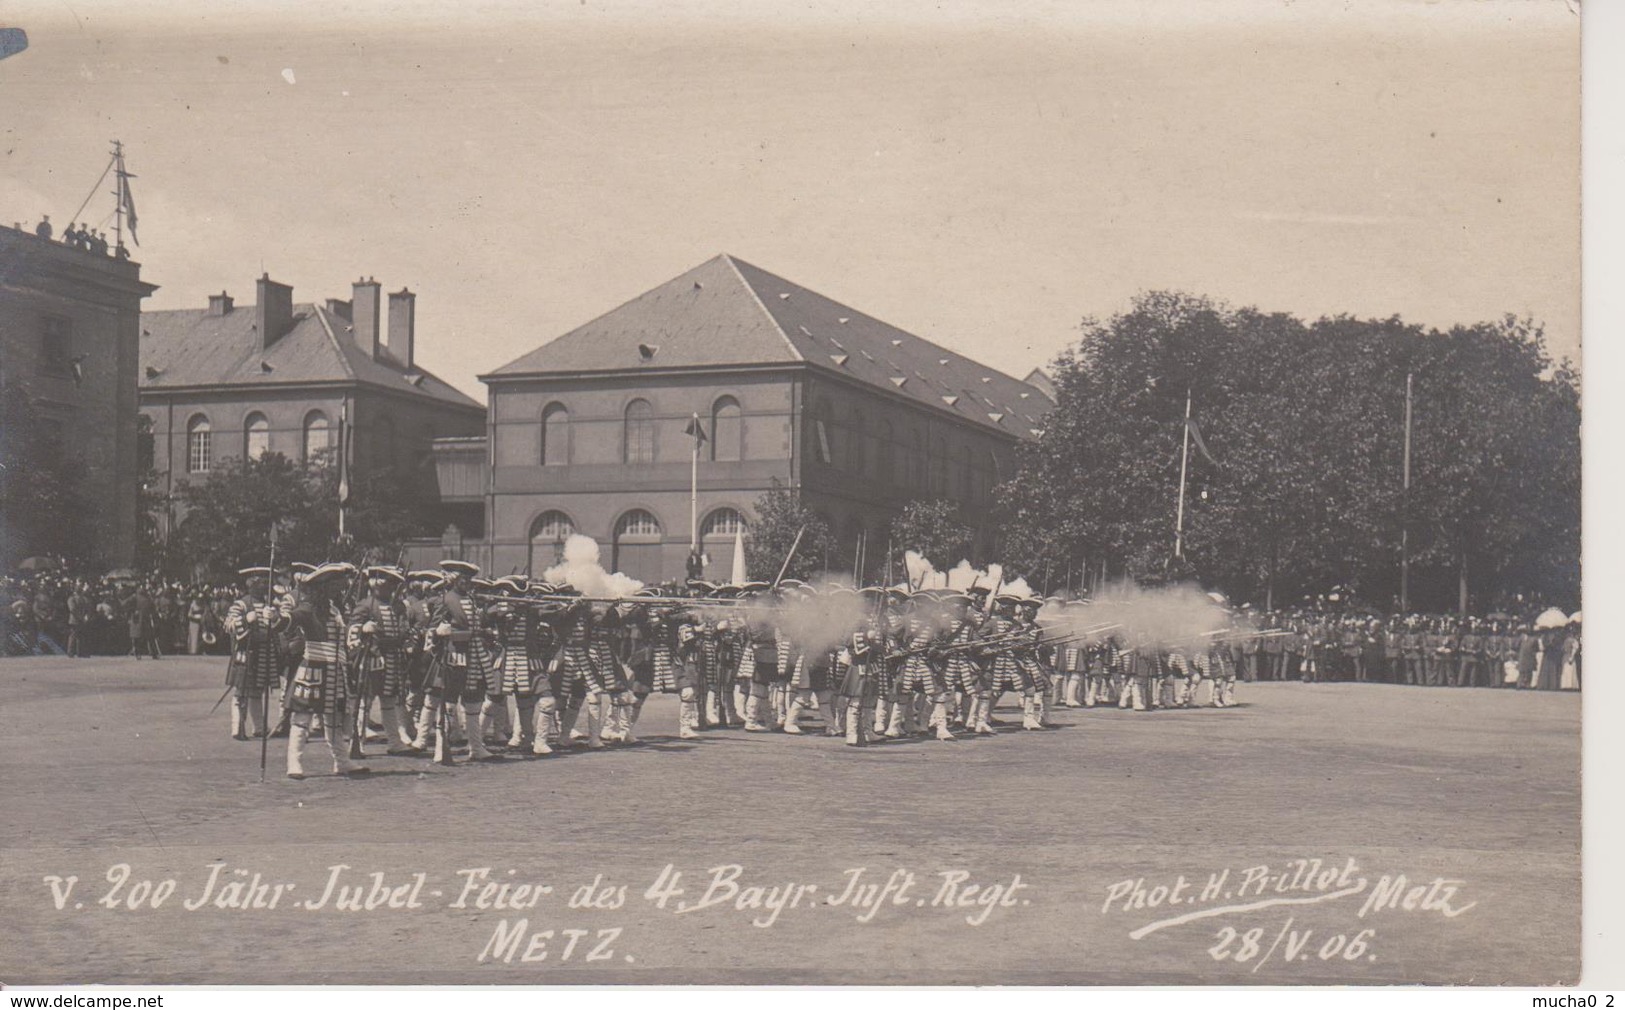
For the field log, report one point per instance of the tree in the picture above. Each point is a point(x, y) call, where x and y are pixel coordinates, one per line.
point(780, 513)
point(934, 529)
point(228, 516)
point(1305, 425)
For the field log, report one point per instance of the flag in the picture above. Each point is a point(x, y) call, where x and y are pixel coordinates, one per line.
point(344, 471)
point(1196, 436)
point(737, 576)
point(126, 201)
point(697, 430)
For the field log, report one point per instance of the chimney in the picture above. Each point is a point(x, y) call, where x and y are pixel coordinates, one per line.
point(364, 315)
point(220, 304)
point(339, 307)
point(273, 315)
point(402, 317)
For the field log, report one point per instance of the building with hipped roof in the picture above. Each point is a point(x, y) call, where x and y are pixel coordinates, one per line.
point(590, 432)
point(301, 380)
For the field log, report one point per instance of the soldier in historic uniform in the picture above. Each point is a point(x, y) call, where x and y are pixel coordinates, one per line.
point(616, 698)
point(892, 628)
point(314, 638)
point(919, 678)
point(813, 677)
point(415, 648)
point(527, 641)
point(376, 638)
point(254, 624)
point(573, 674)
point(1031, 657)
point(1143, 667)
point(1217, 666)
point(464, 664)
point(759, 653)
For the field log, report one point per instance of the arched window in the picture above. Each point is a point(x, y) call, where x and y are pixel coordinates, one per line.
point(199, 454)
point(547, 536)
point(640, 432)
point(723, 522)
point(967, 476)
point(637, 548)
point(916, 461)
point(555, 435)
point(857, 455)
point(637, 524)
point(318, 437)
point(727, 430)
point(256, 436)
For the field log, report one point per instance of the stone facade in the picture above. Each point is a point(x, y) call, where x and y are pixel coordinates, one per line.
point(69, 327)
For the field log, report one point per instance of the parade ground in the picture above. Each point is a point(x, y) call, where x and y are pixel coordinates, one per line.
point(1341, 833)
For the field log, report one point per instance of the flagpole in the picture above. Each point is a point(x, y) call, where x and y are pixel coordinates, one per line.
point(118, 210)
point(1405, 511)
point(1184, 463)
point(694, 492)
point(344, 424)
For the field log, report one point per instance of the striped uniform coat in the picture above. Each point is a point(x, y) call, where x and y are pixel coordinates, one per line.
point(1005, 672)
point(256, 660)
point(524, 636)
point(320, 683)
point(572, 668)
point(609, 656)
point(863, 654)
point(381, 656)
point(1034, 659)
point(959, 670)
point(465, 664)
point(661, 635)
point(917, 674)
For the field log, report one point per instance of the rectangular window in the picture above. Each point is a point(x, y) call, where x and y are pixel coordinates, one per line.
point(824, 455)
point(56, 345)
point(197, 452)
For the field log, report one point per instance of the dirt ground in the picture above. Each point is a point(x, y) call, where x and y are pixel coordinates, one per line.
point(1261, 844)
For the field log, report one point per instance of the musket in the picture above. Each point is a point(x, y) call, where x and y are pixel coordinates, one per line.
point(358, 733)
point(265, 697)
point(636, 601)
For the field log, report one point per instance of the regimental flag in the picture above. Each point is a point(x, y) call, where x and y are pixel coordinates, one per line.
point(696, 430)
point(344, 469)
point(1196, 436)
point(126, 201)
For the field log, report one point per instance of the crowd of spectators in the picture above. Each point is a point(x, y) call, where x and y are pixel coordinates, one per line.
point(57, 614)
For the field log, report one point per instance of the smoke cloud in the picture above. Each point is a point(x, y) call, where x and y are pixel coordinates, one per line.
point(581, 570)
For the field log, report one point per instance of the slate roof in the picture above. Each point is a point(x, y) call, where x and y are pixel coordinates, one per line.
point(190, 348)
point(727, 312)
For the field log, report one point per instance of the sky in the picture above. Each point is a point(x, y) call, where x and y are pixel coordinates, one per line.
point(985, 175)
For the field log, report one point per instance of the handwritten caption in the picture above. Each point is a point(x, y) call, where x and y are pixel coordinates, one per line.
point(728, 890)
point(1253, 935)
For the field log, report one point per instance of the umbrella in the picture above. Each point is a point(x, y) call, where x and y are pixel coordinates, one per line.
point(39, 563)
point(1551, 618)
point(121, 573)
point(1574, 618)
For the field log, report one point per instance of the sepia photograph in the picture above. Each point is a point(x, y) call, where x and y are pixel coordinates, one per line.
point(613, 492)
